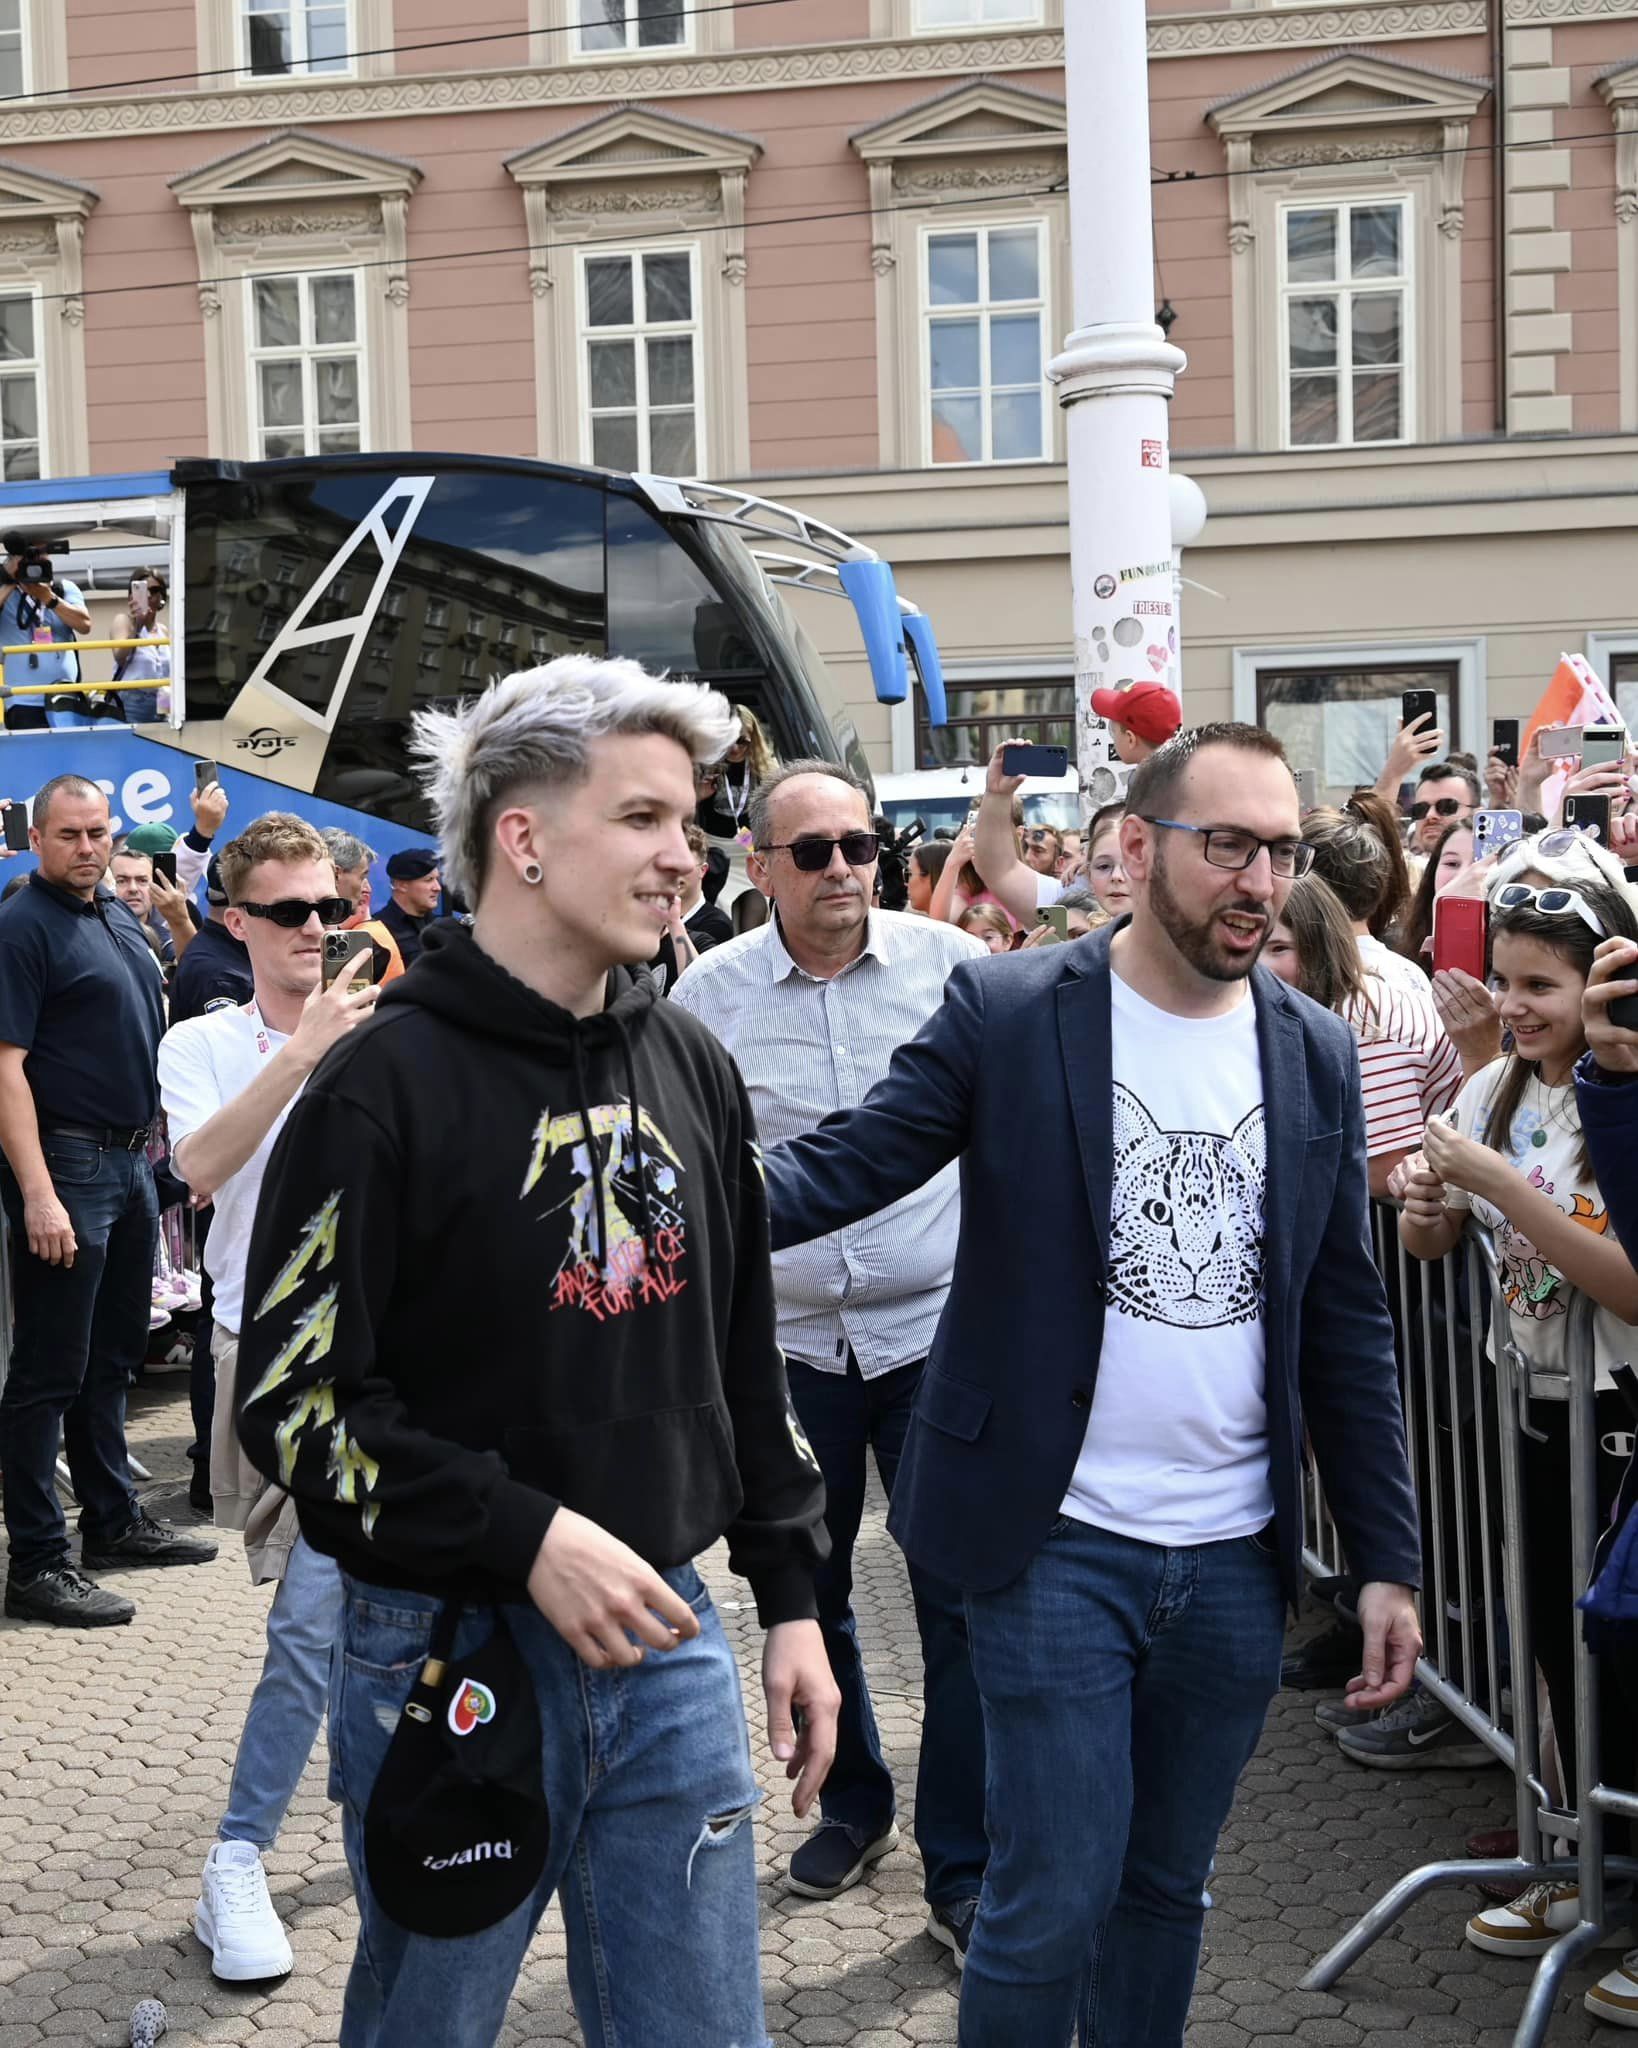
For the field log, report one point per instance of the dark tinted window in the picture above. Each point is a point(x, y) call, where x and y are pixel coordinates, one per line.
point(664, 611)
point(498, 571)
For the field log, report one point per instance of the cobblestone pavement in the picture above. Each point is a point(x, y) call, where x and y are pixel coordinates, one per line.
point(115, 1750)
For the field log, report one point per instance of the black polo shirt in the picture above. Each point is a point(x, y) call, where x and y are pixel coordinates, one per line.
point(213, 974)
point(406, 930)
point(81, 992)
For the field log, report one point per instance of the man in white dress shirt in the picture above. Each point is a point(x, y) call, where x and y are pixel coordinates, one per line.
point(813, 1005)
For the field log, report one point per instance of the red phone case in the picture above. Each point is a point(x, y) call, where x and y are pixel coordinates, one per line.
point(1458, 934)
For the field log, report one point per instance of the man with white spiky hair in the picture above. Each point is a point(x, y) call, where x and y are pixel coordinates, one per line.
point(514, 1358)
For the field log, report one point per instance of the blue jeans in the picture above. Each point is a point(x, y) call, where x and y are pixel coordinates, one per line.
point(80, 1336)
point(845, 1416)
point(287, 1708)
point(1124, 1689)
point(649, 1784)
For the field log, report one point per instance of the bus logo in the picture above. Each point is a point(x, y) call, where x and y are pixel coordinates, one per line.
point(265, 741)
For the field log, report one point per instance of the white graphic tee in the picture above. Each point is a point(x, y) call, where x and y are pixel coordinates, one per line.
point(1176, 1448)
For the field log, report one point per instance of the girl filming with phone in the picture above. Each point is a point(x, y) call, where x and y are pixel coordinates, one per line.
point(150, 663)
point(1512, 1154)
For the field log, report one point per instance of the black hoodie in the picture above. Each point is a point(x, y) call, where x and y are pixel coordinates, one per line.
point(461, 1314)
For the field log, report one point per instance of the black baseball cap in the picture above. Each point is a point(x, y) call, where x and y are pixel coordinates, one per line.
point(457, 1829)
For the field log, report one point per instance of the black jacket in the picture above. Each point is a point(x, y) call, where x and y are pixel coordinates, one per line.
point(461, 1314)
point(1014, 1075)
point(213, 974)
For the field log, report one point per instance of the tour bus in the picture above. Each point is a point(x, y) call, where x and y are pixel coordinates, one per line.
point(316, 604)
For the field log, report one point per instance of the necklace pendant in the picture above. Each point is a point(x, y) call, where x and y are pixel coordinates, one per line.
point(1538, 1137)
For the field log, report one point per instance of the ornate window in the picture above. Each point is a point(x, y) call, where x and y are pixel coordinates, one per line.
point(307, 364)
point(42, 345)
point(639, 334)
point(1345, 288)
point(33, 47)
point(270, 42)
point(964, 296)
point(303, 276)
point(1345, 227)
point(600, 31)
point(639, 327)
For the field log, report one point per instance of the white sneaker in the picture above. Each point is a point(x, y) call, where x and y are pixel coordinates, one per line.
point(1615, 1997)
point(1531, 1924)
point(235, 1918)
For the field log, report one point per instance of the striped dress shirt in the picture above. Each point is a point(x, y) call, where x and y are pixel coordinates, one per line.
point(808, 1047)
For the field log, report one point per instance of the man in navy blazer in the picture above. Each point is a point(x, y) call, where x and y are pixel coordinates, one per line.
point(1106, 1449)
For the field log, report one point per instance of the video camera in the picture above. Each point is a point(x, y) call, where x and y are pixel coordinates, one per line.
point(893, 863)
point(33, 561)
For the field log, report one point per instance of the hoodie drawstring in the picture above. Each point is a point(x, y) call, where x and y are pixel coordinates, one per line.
point(645, 1214)
point(594, 1156)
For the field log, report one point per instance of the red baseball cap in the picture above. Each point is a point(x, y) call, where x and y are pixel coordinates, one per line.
point(1148, 709)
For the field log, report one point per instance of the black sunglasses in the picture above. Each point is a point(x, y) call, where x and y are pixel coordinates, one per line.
point(812, 856)
point(1446, 807)
point(290, 913)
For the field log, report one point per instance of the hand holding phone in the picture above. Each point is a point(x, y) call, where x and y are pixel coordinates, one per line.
point(165, 864)
point(1504, 741)
point(1492, 830)
point(1418, 704)
point(205, 773)
point(1558, 742)
point(1603, 746)
point(1589, 814)
point(341, 955)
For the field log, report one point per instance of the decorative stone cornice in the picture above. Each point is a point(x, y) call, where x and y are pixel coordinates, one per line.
point(1304, 28)
point(1523, 11)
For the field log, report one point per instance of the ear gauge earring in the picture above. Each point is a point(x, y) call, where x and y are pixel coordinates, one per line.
point(533, 873)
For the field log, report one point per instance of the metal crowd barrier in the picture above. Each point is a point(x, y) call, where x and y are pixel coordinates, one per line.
point(1465, 1417)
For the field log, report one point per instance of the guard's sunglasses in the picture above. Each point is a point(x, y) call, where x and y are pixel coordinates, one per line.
point(290, 913)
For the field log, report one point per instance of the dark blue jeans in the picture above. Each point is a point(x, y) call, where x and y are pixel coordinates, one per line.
point(845, 1417)
point(1124, 1689)
point(80, 1336)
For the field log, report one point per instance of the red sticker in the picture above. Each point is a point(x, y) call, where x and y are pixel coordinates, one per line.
point(1154, 455)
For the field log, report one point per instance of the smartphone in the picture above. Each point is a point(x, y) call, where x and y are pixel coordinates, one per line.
point(1504, 740)
point(1558, 742)
point(1415, 704)
point(1624, 1012)
point(1307, 781)
point(1603, 746)
point(1589, 814)
point(1492, 830)
point(341, 957)
point(1056, 916)
point(165, 864)
point(205, 773)
point(1020, 759)
point(139, 592)
point(1459, 934)
point(17, 825)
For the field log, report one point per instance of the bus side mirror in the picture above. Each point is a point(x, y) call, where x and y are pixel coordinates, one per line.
point(918, 633)
point(870, 587)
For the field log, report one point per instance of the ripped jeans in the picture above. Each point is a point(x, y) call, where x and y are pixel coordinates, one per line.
point(650, 1787)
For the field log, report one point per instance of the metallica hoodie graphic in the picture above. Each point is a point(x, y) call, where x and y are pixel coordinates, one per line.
point(507, 1260)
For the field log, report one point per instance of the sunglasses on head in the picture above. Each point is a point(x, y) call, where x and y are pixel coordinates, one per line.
point(812, 856)
point(1550, 902)
point(1445, 807)
point(290, 913)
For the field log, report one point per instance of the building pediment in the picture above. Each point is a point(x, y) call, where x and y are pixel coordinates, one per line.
point(1352, 89)
point(294, 166)
point(986, 117)
point(633, 142)
point(27, 194)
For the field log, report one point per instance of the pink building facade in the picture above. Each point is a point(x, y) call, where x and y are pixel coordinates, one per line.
point(820, 247)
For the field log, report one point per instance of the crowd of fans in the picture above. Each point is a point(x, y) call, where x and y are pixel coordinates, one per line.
point(166, 1000)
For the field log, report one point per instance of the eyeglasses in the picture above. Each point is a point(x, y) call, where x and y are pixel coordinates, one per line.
point(1550, 902)
point(1445, 807)
point(812, 856)
point(1227, 848)
point(290, 913)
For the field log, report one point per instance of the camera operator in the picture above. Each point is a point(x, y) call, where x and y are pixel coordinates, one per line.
point(49, 612)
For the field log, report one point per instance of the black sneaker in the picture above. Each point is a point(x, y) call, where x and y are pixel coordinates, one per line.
point(146, 1542)
point(1415, 1734)
point(66, 1598)
point(1335, 1715)
point(835, 1857)
point(1325, 1662)
point(953, 1925)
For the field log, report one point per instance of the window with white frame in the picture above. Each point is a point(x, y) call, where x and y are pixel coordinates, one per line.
point(1345, 318)
point(639, 337)
point(296, 38)
point(13, 49)
point(605, 26)
point(937, 14)
point(984, 321)
point(307, 364)
point(22, 399)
